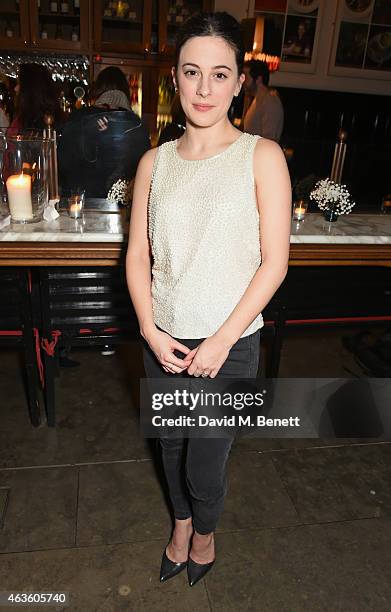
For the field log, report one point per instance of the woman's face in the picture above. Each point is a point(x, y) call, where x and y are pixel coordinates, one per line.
point(207, 75)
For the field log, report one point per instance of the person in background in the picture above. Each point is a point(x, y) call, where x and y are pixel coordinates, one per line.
point(176, 128)
point(104, 142)
point(264, 115)
point(101, 144)
point(36, 96)
point(111, 90)
point(4, 106)
point(301, 42)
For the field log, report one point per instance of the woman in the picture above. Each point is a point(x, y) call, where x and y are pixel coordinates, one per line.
point(196, 211)
point(36, 96)
point(5, 106)
point(102, 143)
point(111, 90)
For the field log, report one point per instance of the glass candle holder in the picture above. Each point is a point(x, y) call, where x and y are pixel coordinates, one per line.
point(76, 205)
point(386, 204)
point(24, 170)
point(299, 209)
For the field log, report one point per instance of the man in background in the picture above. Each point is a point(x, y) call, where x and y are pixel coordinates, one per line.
point(263, 113)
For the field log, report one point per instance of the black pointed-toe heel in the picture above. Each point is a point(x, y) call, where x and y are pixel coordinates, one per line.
point(169, 568)
point(196, 571)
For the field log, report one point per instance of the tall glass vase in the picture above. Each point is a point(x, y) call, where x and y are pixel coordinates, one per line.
point(330, 213)
point(24, 174)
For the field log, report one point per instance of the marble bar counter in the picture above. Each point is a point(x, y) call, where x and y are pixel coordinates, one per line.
point(100, 238)
point(348, 229)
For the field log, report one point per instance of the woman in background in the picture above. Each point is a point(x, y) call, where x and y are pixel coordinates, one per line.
point(5, 106)
point(36, 97)
point(104, 142)
point(111, 90)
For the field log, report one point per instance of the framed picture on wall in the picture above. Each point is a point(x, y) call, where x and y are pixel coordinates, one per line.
point(296, 25)
point(362, 39)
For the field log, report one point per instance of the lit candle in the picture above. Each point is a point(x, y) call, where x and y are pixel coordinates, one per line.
point(75, 209)
point(19, 197)
point(299, 213)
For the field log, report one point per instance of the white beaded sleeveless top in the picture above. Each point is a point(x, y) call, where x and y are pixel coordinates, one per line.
point(203, 228)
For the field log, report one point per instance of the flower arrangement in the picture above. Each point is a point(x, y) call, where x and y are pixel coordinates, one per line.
point(334, 199)
point(121, 192)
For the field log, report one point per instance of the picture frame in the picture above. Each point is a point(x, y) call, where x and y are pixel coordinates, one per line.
point(295, 27)
point(361, 44)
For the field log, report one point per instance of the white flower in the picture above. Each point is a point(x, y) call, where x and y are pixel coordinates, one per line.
point(329, 194)
point(121, 192)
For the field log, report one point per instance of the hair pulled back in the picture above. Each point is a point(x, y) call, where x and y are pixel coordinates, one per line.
point(219, 24)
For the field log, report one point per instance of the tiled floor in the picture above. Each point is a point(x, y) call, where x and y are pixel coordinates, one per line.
point(306, 524)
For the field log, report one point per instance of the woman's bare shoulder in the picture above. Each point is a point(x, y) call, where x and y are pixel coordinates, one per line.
point(268, 155)
point(145, 167)
point(266, 146)
point(147, 160)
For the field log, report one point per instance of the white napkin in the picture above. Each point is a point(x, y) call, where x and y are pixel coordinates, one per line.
point(49, 212)
point(5, 221)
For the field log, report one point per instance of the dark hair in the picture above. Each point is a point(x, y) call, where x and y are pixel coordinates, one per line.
point(37, 96)
point(110, 78)
point(177, 112)
point(219, 24)
point(258, 68)
point(5, 99)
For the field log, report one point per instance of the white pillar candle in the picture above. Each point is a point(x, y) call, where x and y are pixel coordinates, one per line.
point(19, 197)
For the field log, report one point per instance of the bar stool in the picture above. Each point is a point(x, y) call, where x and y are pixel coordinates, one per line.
point(18, 331)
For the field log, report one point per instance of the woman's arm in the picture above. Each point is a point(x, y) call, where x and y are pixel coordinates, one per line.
point(138, 271)
point(138, 258)
point(274, 199)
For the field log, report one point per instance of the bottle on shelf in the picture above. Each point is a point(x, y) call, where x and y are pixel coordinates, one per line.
point(76, 7)
point(39, 6)
point(171, 14)
point(44, 32)
point(133, 83)
point(113, 8)
point(132, 14)
point(59, 35)
point(154, 47)
point(53, 6)
point(64, 7)
point(9, 31)
point(75, 34)
point(65, 104)
point(122, 9)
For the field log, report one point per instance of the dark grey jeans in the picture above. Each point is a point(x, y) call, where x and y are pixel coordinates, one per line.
point(195, 468)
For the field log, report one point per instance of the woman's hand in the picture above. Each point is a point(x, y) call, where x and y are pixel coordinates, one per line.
point(208, 357)
point(163, 346)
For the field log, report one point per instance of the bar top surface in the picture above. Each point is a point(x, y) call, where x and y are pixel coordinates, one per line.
point(103, 222)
